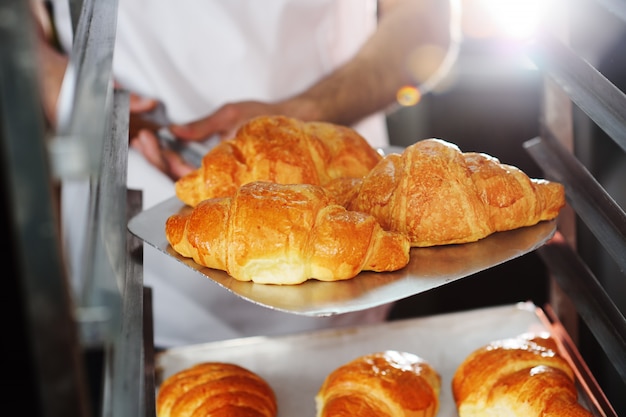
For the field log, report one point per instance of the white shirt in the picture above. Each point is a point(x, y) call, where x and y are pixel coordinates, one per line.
point(194, 56)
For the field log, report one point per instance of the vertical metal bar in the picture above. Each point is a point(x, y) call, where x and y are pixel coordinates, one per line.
point(127, 395)
point(557, 118)
point(34, 235)
point(76, 151)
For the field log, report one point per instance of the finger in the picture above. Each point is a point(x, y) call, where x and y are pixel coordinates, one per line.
point(139, 104)
point(148, 145)
point(177, 167)
point(196, 131)
point(230, 134)
point(219, 122)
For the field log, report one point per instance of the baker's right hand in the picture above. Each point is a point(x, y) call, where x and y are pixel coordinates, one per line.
point(139, 108)
point(142, 137)
point(166, 160)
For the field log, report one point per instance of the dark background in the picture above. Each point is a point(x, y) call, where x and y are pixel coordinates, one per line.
point(492, 106)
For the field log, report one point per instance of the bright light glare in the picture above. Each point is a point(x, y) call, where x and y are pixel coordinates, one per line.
point(408, 96)
point(516, 18)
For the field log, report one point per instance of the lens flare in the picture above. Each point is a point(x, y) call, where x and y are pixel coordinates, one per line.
point(408, 96)
point(518, 19)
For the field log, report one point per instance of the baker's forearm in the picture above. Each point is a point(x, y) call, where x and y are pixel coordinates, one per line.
point(51, 71)
point(51, 62)
point(393, 57)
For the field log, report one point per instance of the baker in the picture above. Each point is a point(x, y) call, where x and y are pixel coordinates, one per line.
point(212, 65)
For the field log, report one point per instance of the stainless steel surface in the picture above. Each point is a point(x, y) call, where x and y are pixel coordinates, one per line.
point(593, 303)
point(604, 217)
point(37, 298)
point(427, 269)
point(296, 365)
point(128, 394)
point(76, 149)
point(596, 398)
point(149, 354)
point(586, 86)
point(63, 368)
point(583, 109)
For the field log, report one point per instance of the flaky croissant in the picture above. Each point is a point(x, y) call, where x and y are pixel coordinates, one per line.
point(215, 389)
point(274, 233)
point(278, 149)
point(522, 377)
point(381, 384)
point(438, 195)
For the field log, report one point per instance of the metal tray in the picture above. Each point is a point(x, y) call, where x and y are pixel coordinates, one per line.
point(296, 365)
point(428, 268)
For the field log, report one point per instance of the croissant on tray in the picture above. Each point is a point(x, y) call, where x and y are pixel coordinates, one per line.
point(382, 384)
point(278, 149)
point(215, 389)
point(523, 376)
point(438, 195)
point(284, 234)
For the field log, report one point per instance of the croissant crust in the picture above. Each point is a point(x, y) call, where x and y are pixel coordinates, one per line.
point(523, 376)
point(438, 195)
point(215, 389)
point(382, 384)
point(278, 149)
point(284, 234)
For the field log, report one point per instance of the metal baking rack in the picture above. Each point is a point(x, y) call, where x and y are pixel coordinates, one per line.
point(59, 328)
point(79, 324)
point(580, 107)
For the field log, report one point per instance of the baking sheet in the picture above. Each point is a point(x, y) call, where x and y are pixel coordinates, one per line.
point(428, 268)
point(296, 365)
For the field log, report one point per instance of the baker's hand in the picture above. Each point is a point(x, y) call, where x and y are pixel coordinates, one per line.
point(167, 161)
point(142, 137)
point(139, 107)
point(225, 121)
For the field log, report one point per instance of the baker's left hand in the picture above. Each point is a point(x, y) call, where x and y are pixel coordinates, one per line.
point(166, 160)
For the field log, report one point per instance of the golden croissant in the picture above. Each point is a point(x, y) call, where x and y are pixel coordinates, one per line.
point(382, 384)
point(438, 195)
point(523, 376)
point(215, 389)
point(284, 234)
point(278, 149)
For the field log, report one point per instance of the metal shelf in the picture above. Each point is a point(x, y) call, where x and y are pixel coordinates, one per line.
point(94, 149)
point(593, 204)
point(573, 89)
point(584, 85)
point(65, 322)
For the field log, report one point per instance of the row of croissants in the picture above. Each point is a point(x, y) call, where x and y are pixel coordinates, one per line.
point(522, 376)
point(285, 201)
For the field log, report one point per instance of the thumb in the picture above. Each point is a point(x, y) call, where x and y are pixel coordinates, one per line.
point(177, 166)
point(148, 145)
point(196, 130)
point(221, 123)
point(139, 104)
